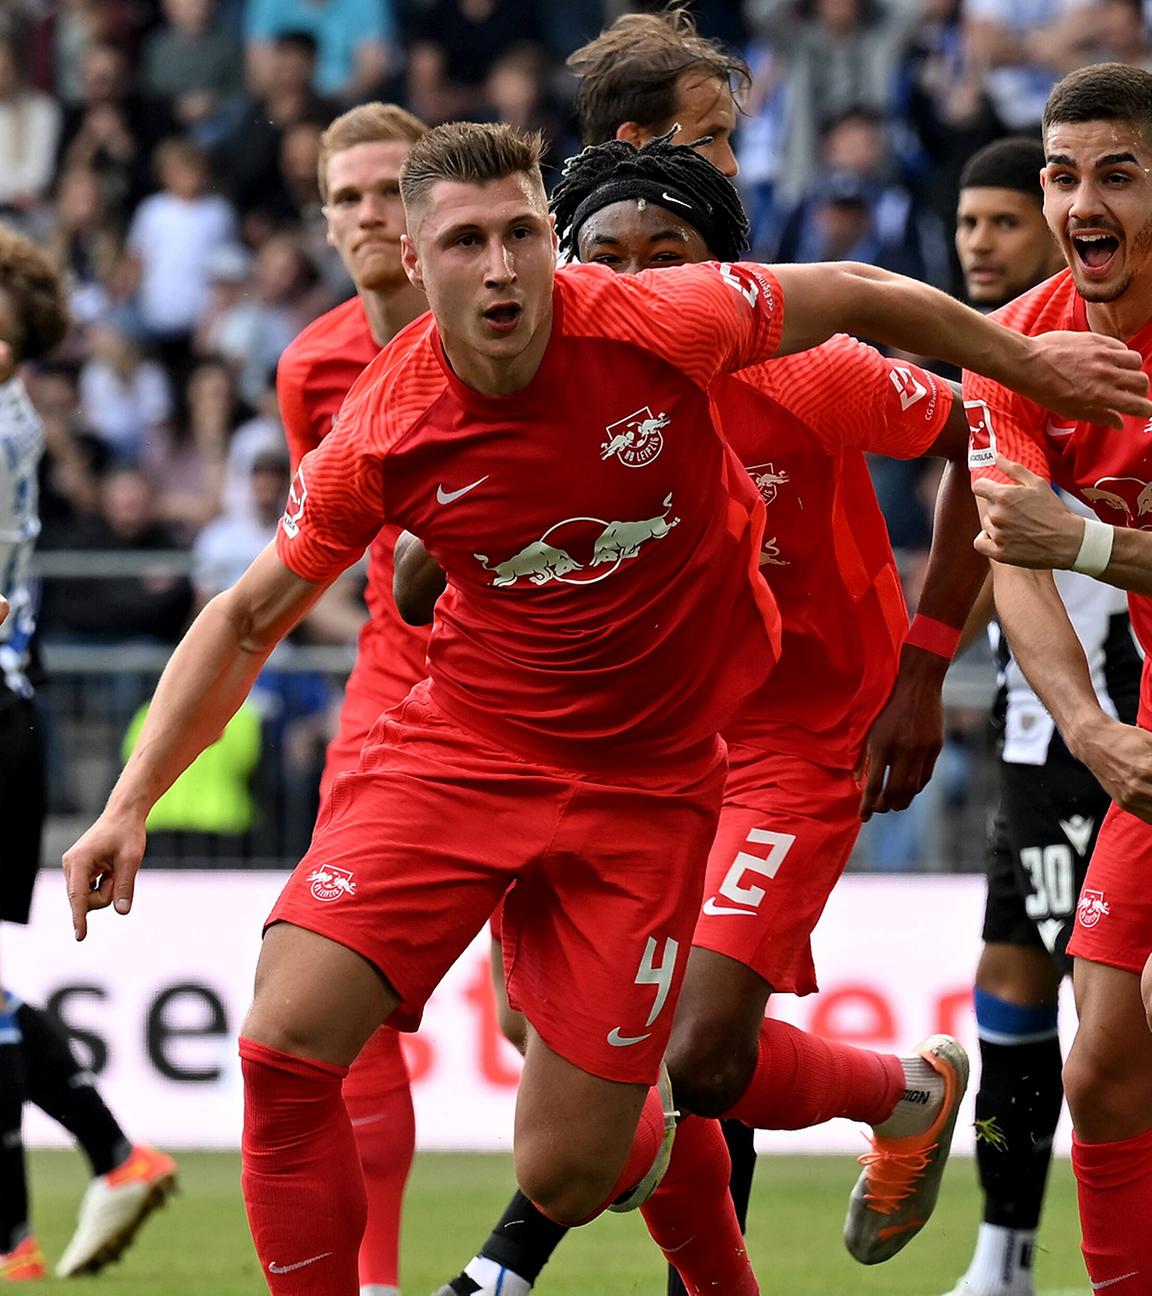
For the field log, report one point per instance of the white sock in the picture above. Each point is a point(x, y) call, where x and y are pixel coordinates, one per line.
point(378, 1289)
point(919, 1104)
point(1002, 1262)
point(488, 1273)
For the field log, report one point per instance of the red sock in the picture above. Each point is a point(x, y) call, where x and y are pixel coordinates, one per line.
point(379, 1103)
point(301, 1179)
point(691, 1216)
point(1114, 1186)
point(802, 1080)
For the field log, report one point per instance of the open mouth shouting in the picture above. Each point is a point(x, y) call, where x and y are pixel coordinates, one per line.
point(1095, 252)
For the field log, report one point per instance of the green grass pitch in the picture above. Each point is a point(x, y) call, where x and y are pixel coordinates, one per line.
point(199, 1245)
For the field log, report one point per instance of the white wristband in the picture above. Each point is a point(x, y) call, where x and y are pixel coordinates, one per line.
point(1095, 552)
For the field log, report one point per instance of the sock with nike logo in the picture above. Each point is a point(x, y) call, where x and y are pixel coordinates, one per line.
point(1114, 1186)
point(802, 1080)
point(301, 1178)
point(691, 1217)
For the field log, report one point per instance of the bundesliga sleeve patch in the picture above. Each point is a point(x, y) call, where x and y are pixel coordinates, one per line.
point(981, 437)
point(297, 496)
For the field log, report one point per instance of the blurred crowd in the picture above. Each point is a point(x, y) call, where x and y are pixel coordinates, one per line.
point(166, 152)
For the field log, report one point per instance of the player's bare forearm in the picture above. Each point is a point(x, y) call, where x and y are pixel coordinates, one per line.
point(907, 735)
point(1078, 375)
point(417, 580)
point(1130, 566)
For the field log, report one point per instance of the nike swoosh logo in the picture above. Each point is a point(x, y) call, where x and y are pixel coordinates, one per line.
point(1054, 429)
point(622, 1041)
point(678, 201)
point(446, 497)
point(1111, 1282)
point(273, 1267)
point(711, 907)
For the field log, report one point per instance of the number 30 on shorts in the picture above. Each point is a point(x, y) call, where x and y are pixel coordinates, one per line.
point(766, 866)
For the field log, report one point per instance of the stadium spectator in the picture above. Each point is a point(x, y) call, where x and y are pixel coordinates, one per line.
point(74, 457)
point(838, 55)
point(125, 397)
point(112, 128)
point(87, 243)
point(249, 155)
point(354, 42)
point(150, 607)
point(171, 242)
point(66, 31)
point(1023, 47)
point(252, 332)
point(192, 63)
point(29, 132)
point(454, 47)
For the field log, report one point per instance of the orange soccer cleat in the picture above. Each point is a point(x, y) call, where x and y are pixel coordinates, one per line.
point(23, 1264)
point(896, 1193)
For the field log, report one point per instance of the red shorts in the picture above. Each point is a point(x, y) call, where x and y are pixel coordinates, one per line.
point(414, 849)
point(1114, 915)
point(786, 830)
point(358, 714)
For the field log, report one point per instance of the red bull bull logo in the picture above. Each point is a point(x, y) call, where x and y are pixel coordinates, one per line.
point(981, 436)
point(1091, 907)
point(768, 480)
point(1129, 496)
point(330, 883)
point(635, 440)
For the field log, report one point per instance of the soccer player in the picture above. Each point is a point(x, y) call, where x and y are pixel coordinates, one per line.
point(558, 741)
point(796, 750)
point(361, 154)
point(1097, 202)
point(36, 1060)
point(1051, 807)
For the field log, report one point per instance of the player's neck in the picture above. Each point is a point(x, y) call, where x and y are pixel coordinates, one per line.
point(1126, 316)
point(498, 376)
point(389, 312)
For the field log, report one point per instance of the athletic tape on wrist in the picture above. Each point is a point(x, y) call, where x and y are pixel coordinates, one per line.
point(1095, 552)
point(933, 636)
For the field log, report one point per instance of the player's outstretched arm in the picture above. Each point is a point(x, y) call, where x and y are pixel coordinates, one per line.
point(206, 679)
point(417, 580)
point(1077, 375)
point(1051, 656)
point(907, 735)
point(1026, 525)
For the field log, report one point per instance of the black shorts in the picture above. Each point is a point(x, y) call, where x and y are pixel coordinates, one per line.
point(1041, 841)
point(22, 804)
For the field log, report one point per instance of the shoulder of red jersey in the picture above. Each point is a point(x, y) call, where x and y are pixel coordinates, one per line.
point(343, 326)
point(399, 385)
point(1043, 309)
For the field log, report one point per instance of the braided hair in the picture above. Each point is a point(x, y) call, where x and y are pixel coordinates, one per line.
point(669, 175)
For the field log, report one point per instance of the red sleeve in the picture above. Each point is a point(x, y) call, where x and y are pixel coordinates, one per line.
point(1001, 421)
point(300, 429)
point(336, 504)
point(704, 319)
point(853, 398)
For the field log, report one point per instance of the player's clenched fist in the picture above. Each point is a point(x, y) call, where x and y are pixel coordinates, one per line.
point(1024, 522)
point(1086, 376)
point(100, 870)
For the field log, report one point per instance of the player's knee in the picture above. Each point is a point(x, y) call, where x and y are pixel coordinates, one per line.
point(566, 1188)
point(709, 1065)
point(1108, 1097)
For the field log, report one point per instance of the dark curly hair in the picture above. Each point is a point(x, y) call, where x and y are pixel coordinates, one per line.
point(34, 286)
point(615, 171)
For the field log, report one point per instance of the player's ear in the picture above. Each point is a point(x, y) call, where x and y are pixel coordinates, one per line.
point(552, 230)
point(410, 260)
point(632, 133)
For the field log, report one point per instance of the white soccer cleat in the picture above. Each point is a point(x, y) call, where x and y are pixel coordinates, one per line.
point(636, 1197)
point(896, 1193)
point(114, 1207)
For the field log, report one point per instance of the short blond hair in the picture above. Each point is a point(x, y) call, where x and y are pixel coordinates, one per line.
point(472, 153)
point(369, 123)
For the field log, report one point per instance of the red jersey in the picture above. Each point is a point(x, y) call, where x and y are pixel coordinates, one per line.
point(601, 542)
point(1110, 470)
point(315, 373)
point(801, 425)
